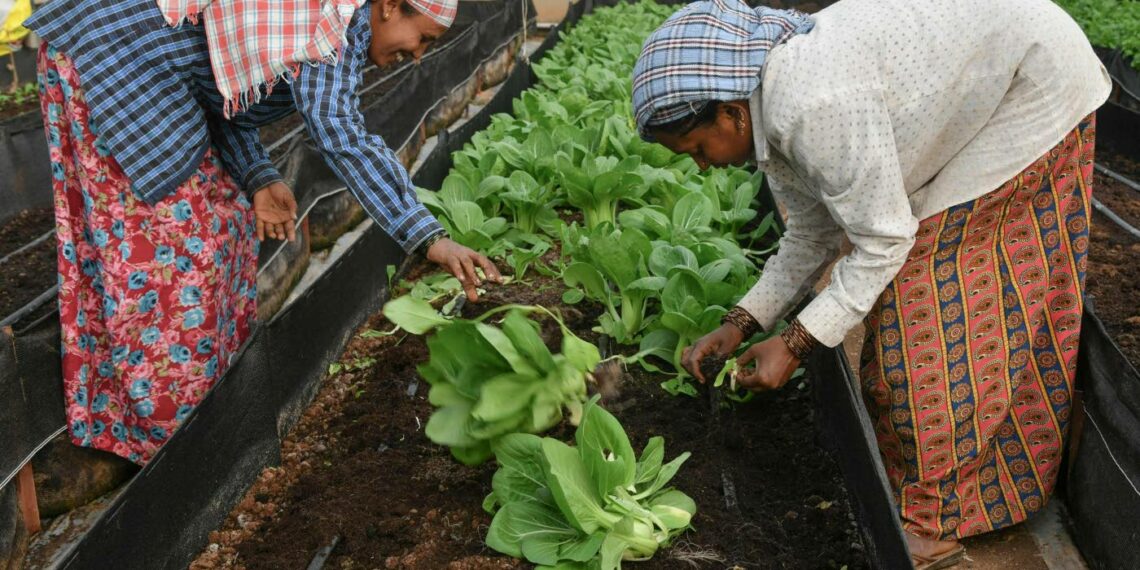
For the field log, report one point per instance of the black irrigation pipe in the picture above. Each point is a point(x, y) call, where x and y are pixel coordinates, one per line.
point(1116, 219)
point(1117, 177)
point(27, 246)
point(31, 307)
point(1108, 213)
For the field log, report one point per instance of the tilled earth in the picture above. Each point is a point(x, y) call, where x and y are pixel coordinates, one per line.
point(358, 470)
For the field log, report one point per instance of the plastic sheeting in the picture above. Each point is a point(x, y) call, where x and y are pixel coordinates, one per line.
point(1103, 486)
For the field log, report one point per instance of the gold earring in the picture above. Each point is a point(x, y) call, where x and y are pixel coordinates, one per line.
point(740, 125)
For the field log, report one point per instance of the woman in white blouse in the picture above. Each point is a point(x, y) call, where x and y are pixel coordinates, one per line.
point(951, 143)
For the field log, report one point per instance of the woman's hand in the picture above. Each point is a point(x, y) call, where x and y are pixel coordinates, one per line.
point(461, 262)
point(276, 212)
point(774, 365)
point(721, 342)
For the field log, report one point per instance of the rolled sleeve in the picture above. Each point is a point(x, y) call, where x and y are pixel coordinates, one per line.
point(847, 152)
point(325, 96)
point(809, 243)
point(241, 151)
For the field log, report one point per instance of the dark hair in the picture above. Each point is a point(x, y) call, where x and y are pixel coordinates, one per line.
point(408, 9)
point(686, 124)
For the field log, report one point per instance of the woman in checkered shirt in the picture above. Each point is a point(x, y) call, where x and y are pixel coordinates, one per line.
point(163, 189)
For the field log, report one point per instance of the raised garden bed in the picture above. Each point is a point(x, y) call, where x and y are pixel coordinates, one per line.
point(359, 467)
point(362, 486)
point(1113, 278)
point(236, 431)
point(24, 228)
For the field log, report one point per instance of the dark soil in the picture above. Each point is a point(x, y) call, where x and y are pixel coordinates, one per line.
point(1113, 278)
point(27, 275)
point(1117, 155)
point(25, 227)
point(358, 467)
point(711, 366)
point(8, 111)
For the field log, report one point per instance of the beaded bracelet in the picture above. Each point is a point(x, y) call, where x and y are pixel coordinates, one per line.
point(798, 339)
point(430, 241)
point(742, 320)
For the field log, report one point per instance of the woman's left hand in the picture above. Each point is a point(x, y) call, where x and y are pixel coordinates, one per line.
point(275, 209)
point(774, 365)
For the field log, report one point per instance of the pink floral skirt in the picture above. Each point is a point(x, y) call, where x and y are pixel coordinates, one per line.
point(153, 300)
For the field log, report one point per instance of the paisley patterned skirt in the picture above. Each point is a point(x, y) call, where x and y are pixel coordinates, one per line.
point(971, 351)
point(153, 300)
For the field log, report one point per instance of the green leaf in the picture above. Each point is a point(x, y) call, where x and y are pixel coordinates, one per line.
point(666, 474)
point(504, 396)
point(693, 212)
point(674, 508)
point(520, 476)
point(413, 315)
point(507, 349)
point(582, 355)
point(472, 455)
point(572, 488)
point(526, 529)
point(584, 275)
point(652, 456)
point(523, 333)
point(467, 217)
point(573, 296)
point(605, 450)
point(448, 426)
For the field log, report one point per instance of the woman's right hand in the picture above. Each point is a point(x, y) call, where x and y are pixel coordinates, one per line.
point(461, 262)
point(721, 342)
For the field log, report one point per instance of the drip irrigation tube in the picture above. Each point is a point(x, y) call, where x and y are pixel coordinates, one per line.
point(1108, 213)
point(1117, 177)
point(1116, 219)
point(27, 246)
point(30, 308)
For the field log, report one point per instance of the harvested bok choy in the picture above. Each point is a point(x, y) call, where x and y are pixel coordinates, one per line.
point(587, 507)
point(488, 381)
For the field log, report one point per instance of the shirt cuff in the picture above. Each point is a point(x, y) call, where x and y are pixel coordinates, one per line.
point(414, 228)
point(771, 299)
point(827, 320)
point(260, 175)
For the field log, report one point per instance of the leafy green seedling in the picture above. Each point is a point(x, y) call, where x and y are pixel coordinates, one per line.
point(589, 506)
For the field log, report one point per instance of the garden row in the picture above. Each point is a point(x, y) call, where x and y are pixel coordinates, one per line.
point(621, 253)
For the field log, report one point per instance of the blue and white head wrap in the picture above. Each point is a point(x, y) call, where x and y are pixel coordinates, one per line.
point(712, 50)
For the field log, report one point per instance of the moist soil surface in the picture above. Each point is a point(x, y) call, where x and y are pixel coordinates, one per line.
point(11, 110)
point(359, 470)
point(25, 227)
point(25, 276)
point(1113, 278)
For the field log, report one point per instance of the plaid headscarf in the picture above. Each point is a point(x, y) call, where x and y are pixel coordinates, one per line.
point(254, 43)
point(711, 50)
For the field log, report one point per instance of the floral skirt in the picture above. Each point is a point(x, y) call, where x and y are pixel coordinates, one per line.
point(972, 349)
point(153, 300)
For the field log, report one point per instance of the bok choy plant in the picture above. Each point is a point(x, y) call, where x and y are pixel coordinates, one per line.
point(587, 507)
point(488, 381)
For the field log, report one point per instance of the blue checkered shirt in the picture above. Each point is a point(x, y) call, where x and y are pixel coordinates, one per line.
point(155, 104)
